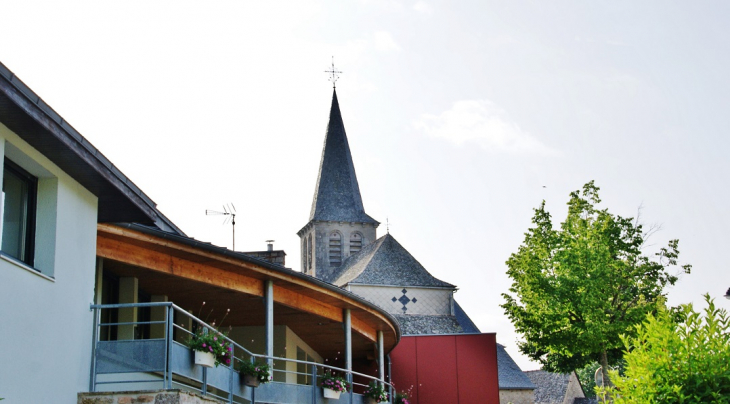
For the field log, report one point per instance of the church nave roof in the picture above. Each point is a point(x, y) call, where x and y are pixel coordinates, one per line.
point(385, 262)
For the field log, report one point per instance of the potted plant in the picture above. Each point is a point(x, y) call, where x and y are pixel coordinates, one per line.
point(209, 344)
point(333, 386)
point(254, 373)
point(375, 393)
point(210, 347)
point(402, 398)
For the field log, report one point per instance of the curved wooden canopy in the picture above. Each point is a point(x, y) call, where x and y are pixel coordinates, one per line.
point(189, 272)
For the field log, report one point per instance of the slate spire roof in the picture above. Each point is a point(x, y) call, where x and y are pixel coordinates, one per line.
point(385, 262)
point(337, 194)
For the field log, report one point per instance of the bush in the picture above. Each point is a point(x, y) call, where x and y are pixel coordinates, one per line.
point(679, 357)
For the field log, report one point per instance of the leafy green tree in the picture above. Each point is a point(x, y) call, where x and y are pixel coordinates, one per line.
point(576, 289)
point(586, 375)
point(676, 360)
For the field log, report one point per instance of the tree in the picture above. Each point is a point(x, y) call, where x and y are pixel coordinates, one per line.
point(680, 358)
point(576, 289)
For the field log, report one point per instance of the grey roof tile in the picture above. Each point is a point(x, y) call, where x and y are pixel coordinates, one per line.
point(385, 262)
point(550, 387)
point(414, 324)
point(511, 377)
point(464, 321)
point(337, 194)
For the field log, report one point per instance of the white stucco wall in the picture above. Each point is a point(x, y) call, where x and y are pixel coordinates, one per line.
point(429, 301)
point(45, 322)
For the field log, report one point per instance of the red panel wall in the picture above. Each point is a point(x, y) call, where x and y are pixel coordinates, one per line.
point(457, 368)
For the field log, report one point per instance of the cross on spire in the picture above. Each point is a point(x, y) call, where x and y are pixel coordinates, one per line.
point(334, 74)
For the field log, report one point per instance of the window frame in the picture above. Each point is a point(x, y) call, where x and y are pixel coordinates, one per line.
point(31, 206)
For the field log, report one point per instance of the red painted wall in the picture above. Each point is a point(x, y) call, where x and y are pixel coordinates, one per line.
point(452, 369)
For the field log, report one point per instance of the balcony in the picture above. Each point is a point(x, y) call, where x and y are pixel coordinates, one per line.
point(162, 360)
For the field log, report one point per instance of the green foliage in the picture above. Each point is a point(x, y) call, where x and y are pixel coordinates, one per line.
point(677, 362)
point(376, 391)
point(576, 289)
point(402, 398)
point(260, 370)
point(209, 339)
point(587, 377)
point(331, 381)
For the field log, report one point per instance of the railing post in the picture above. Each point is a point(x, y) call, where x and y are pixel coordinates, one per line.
point(94, 338)
point(314, 384)
point(231, 373)
point(253, 389)
point(168, 345)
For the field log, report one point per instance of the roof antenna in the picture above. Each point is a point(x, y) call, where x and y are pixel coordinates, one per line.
point(230, 212)
point(387, 225)
point(334, 74)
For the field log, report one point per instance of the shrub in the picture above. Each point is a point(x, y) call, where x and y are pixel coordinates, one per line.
point(679, 357)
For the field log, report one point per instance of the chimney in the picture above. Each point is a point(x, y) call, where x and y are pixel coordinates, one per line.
point(270, 245)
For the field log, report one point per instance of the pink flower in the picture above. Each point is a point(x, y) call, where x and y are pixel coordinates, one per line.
point(211, 348)
point(204, 346)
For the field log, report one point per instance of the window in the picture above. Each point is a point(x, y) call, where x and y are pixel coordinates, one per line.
point(335, 249)
point(304, 254)
point(309, 253)
point(355, 243)
point(19, 209)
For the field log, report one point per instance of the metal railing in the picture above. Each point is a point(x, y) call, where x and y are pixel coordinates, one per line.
point(153, 354)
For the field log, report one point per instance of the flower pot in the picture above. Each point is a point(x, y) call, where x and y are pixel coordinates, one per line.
point(329, 393)
point(205, 359)
point(250, 381)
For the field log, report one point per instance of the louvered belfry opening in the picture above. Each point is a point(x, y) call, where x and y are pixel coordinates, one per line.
point(335, 249)
point(355, 243)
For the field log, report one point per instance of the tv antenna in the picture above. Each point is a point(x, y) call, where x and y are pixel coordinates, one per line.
point(229, 211)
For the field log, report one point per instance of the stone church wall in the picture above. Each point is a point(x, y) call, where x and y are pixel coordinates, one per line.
point(320, 235)
point(424, 301)
point(516, 396)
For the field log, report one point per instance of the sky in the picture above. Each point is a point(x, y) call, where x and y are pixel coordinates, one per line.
point(461, 117)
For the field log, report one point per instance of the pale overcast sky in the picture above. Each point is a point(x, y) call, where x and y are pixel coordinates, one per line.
point(462, 117)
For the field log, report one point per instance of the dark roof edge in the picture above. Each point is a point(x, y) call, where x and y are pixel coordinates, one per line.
point(278, 268)
point(157, 217)
point(461, 316)
point(451, 287)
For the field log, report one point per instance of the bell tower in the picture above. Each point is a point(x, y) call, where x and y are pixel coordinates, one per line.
point(338, 225)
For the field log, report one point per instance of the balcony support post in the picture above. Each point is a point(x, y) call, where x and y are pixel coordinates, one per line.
point(347, 318)
point(269, 304)
point(381, 357)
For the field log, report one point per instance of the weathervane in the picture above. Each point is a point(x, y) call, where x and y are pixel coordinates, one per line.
point(334, 74)
point(230, 212)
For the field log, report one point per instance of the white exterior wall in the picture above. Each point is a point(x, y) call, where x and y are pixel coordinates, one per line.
point(45, 321)
point(429, 301)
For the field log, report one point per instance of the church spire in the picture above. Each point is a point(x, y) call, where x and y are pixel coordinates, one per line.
point(337, 194)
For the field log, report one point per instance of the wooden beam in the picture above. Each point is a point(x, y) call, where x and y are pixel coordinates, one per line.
point(363, 328)
point(161, 262)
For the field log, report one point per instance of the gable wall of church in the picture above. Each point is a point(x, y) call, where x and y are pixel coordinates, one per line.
point(423, 301)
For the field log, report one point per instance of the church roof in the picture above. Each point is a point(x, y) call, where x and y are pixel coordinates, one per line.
point(418, 324)
point(511, 376)
point(385, 262)
point(337, 194)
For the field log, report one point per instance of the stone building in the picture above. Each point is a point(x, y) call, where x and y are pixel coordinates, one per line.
point(339, 245)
